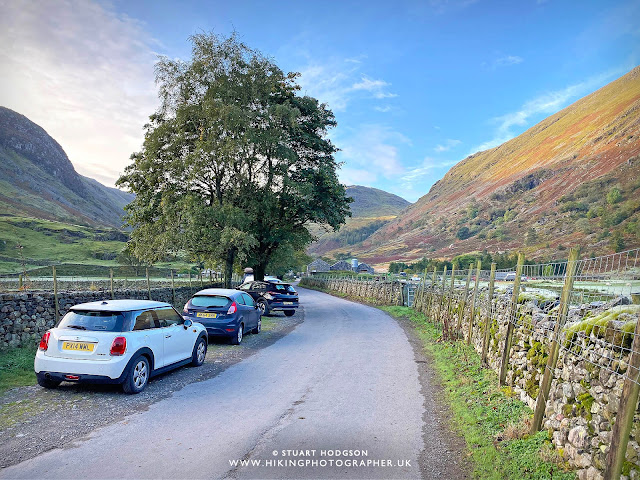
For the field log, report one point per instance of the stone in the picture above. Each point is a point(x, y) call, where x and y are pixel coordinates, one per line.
point(579, 437)
point(593, 474)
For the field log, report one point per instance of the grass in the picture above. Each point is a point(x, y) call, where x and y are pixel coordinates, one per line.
point(493, 423)
point(16, 367)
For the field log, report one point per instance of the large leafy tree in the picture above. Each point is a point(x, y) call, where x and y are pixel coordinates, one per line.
point(235, 163)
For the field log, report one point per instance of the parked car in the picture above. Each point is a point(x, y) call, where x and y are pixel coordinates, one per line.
point(225, 313)
point(118, 341)
point(271, 296)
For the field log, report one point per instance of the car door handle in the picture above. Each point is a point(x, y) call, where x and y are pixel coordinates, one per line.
point(167, 336)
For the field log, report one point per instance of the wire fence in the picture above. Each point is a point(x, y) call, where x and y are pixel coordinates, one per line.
point(106, 279)
point(522, 320)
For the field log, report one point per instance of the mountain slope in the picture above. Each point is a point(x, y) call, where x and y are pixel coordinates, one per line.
point(572, 179)
point(370, 210)
point(38, 180)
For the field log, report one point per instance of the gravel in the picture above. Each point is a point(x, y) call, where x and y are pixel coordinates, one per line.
point(34, 420)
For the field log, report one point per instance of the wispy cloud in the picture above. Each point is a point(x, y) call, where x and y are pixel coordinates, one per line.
point(337, 82)
point(448, 145)
point(502, 60)
point(511, 124)
point(83, 73)
point(370, 152)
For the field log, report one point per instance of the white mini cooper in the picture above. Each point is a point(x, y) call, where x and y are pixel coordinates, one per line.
point(118, 341)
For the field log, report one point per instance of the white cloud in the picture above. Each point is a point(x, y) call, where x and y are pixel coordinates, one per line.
point(510, 124)
point(371, 151)
point(84, 74)
point(448, 145)
point(338, 82)
point(384, 109)
point(507, 60)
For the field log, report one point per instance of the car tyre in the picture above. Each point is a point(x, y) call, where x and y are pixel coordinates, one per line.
point(199, 352)
point(263, 306)
point(258, 327)
point(137, 377)
point(237, 338)
point(289, 313)
point(48, 383)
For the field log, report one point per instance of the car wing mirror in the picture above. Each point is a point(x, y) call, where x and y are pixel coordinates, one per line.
point(187, 323)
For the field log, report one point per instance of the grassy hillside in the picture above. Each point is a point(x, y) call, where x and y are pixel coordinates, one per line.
point(38, 180)
point(47, 242)
point(572, 179)
point(371, 209)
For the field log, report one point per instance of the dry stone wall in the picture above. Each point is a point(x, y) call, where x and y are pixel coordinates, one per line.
point(585, 393)
point(25, 316)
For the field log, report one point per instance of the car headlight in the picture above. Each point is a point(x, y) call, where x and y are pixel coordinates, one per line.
point(268, 296)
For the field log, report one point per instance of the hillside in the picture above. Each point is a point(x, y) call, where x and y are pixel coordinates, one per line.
point(371, 209)
point(38, 180)
point(573, 179)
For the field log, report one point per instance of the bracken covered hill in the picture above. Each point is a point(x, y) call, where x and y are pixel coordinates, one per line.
point(572, 179)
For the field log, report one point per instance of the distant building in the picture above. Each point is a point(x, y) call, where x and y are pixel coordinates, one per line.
point(341, 266)
point(318, 266)
point(364, 268)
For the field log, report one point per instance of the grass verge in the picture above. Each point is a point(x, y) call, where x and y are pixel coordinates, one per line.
point(494, 424)
point(16, 367)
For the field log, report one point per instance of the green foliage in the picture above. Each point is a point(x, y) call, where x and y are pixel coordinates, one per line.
point(617, 241)
point(463, 233)
point(235, 164)
point(614, 196)
point(599, 325)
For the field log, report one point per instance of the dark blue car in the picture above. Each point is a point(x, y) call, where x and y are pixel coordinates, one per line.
point(224, 313)
point(271, 296)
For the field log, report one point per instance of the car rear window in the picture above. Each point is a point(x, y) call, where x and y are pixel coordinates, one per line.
point(96, 321)
point(282, 287)
point(209, 301)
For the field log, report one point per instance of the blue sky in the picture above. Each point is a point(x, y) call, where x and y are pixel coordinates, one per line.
point(415, 86)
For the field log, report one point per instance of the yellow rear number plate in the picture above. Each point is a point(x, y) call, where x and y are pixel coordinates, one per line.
point(78, 346)
point(206, 315)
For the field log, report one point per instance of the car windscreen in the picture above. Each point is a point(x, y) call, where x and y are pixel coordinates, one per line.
point(96, 321)
point(209, 301)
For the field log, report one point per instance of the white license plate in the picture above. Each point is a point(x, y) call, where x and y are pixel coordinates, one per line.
point(287, 303)
point(78, 346)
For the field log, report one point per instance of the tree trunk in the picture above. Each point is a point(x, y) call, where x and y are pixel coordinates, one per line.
point(259, 271)
point(228, 267)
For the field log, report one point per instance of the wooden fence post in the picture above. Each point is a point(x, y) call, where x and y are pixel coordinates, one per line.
point(173, 290)
point(473, 303)
point(511, 319)
point(433, 289)
point(441, 302)
point(463, 303)
point(55, 295)
point(489, 319)
point(190, 288)
point(453, 286)
point(626, 412)
point(554, 348)
point(148, 284)
point(111, 282)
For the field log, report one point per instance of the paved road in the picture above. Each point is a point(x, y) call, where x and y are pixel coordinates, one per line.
point(342, 388)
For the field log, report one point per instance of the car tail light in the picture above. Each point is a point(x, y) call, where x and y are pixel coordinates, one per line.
point(185, 310)
point(232, 309)
point(118, 347)
point(44, 342)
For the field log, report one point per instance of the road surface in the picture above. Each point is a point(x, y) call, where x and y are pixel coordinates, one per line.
point(339, 397)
